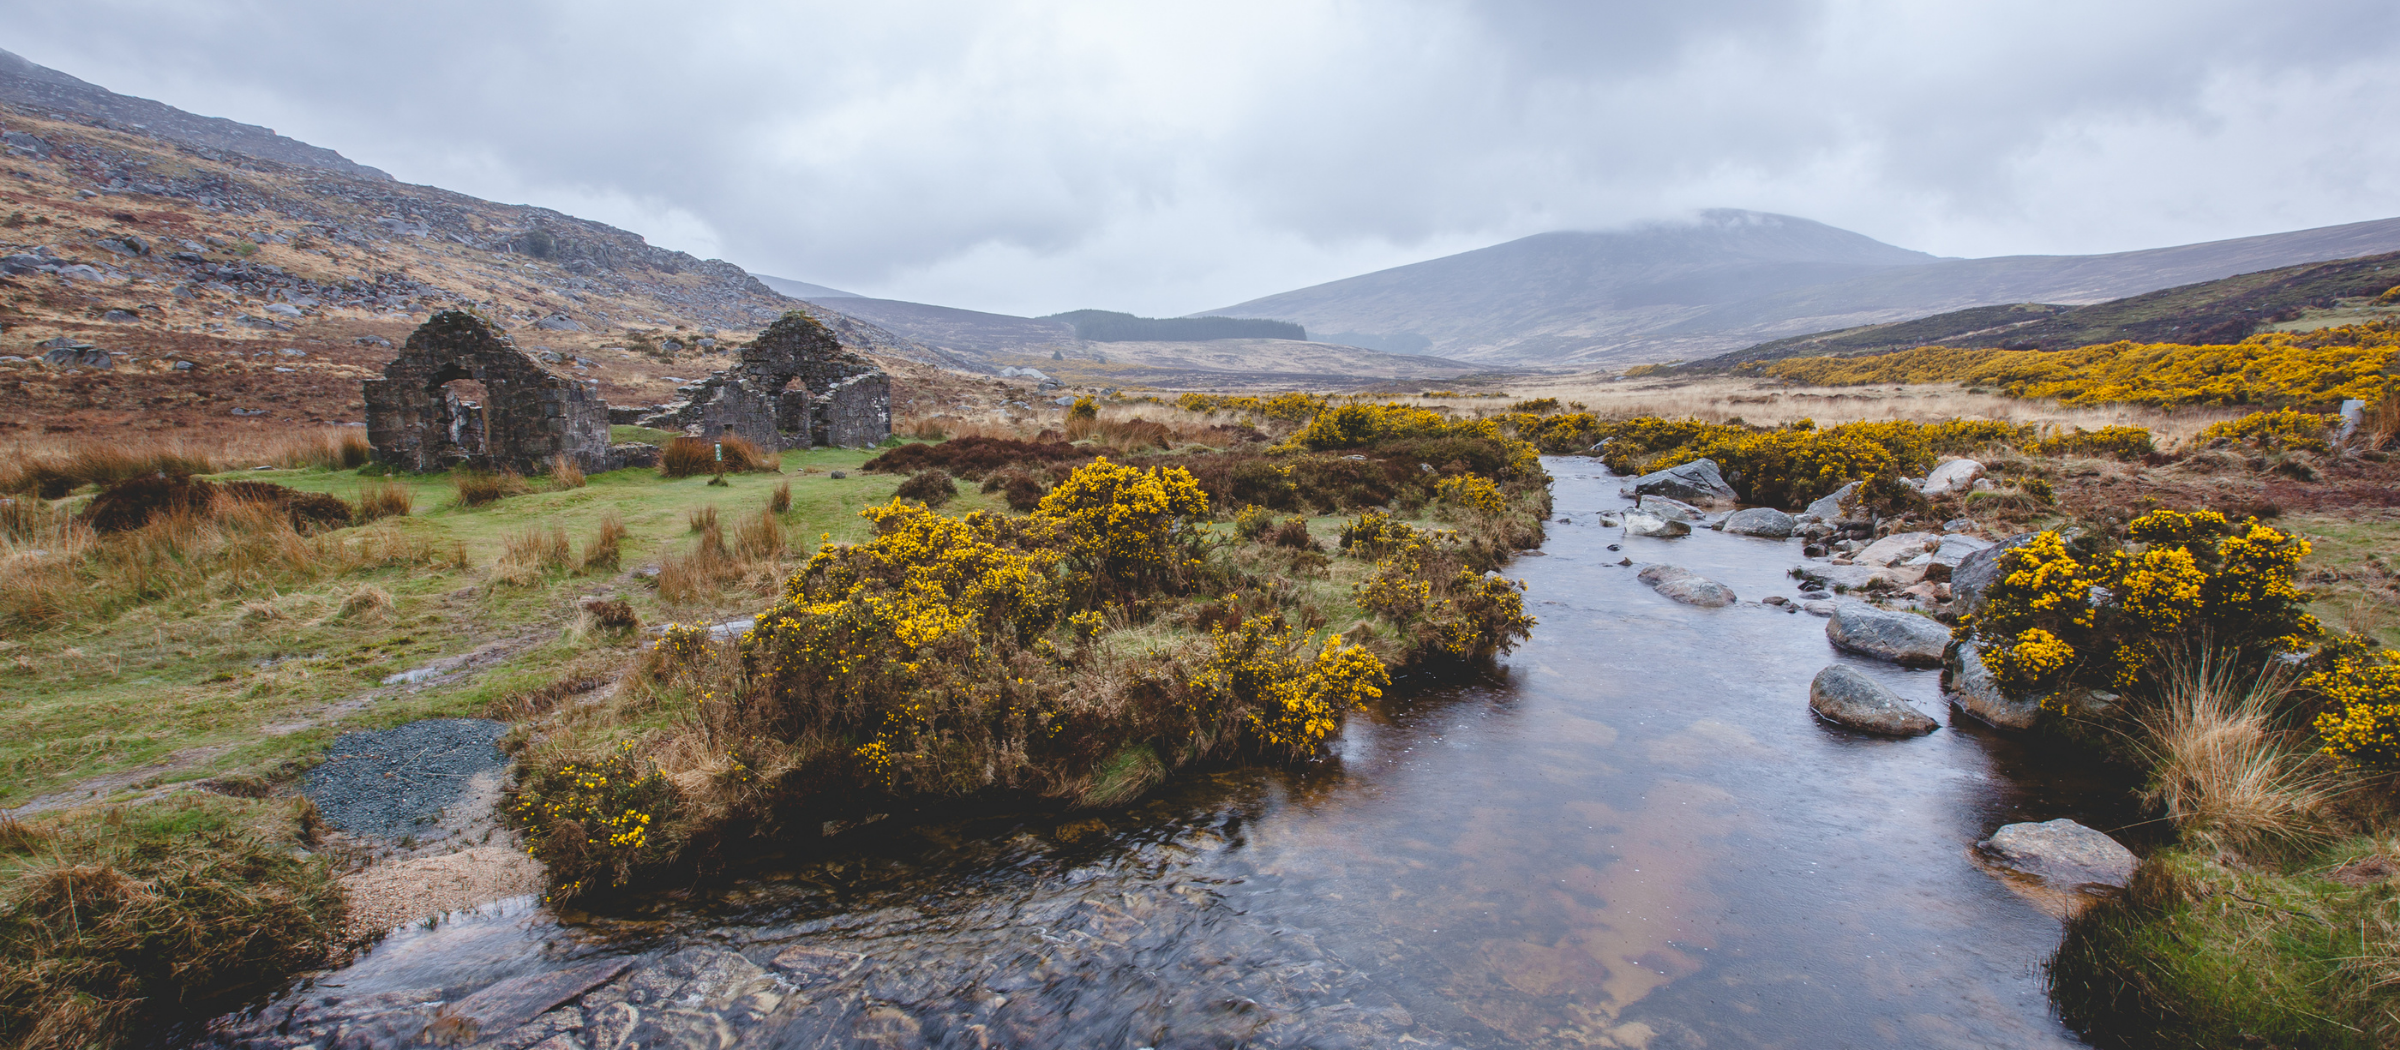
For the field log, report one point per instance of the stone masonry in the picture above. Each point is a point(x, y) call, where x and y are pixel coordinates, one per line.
point(529, 415)
point(795, 387)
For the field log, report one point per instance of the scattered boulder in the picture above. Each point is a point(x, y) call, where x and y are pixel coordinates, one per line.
point(1698, 482)
point(1895, 549)
point(1670, 509)
point(1979, 568)
point(1638, 523)
point(1761, 521)
point(63, 353)
point(2063, 852)
point(1829, 507)
point(1952, 476)
point(1688, 587)
point(1844, 695)
point(1902, 638)
point(1945, 559)
point(1970, 685)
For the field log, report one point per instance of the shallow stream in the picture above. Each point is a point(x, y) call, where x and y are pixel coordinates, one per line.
point(1635, 834)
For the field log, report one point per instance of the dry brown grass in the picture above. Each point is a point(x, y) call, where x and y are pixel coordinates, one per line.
point(700, 573)
point(687, 457)
point(565, 473)
point(54, 469)
point(2226, 776)
point(760, 538)
point(781, 501)
point(478, 487)
point(605, 547)
point(1768, 403)
point(527, 556)
point(384, 499)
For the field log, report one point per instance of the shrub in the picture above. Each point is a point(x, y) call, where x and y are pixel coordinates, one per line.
point(930, 487)
point(591, 823)
point(1471, 493)
point(2052, 618)
point(612, 614)
point(1125, 526)
point(1083, 410)
point(2275, 431)
point(1292, 702)
point(1251, 523)
point(1292, 533)
point(2274, 369)
point(1444, 609)
point(2361, 690)
point(2113, 442)
point(974, 457)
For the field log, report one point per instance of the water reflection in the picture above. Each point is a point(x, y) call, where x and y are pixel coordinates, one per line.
point(1633, 834)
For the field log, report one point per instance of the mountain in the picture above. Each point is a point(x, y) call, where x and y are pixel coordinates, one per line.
point(1731, 279)
point(2222, 311)
point(803, 289)
point(41, 90)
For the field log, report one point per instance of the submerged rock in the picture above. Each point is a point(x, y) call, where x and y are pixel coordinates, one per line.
point(1970, 685)
point(1688, 587)
point(1698, 482)
point(1902, 638)
point(2061, 851)
point(1761, 521)
point(1845, 696)
point(1641, 524)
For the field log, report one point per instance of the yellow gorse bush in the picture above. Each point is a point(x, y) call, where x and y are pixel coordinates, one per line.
point(2275, 431)
point(1291, 700)
point(2271, 369)
point(594, 821)
point(2053, 619)
point(1471, 492)
point(1422, 585)
point(2362, 690)
point(1793, 465)
point(1122, 523)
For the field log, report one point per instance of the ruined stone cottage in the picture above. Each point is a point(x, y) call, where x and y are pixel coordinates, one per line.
point(795, 387)
point(419, 418)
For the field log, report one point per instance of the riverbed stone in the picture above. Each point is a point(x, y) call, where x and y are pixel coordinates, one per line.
point(1698, 482)
point(2062, 851)
point(1829, 506)
point(1688, 587)
point(1902, 638)
point(1970, 685)
point(1638, 523)
point(1670, 509)
point(1760, 521)
point(1895, 549)
point(1845, 696)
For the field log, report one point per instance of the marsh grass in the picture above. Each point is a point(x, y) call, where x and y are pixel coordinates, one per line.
point(605, 549)
point(479, 487)
point(565, 473)
point(527, 556)
point(2227, 776)
point(384, 499)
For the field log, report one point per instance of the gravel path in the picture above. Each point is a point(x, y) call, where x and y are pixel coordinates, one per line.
point(396, 782)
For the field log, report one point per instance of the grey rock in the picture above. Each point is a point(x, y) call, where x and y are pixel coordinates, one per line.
point(282, 309)
point(1698, 482)
point(1952, 476)
point(1969, 684)
point(2062, 851)
point(1829, 507)
point(513, 1002)
point(1895, 548)
point(563, 323)
point(1978, 569)
point(1670, 509)
point(1902, 638)
point(81, 272)
point(1816, 606)
point(1688, 587)
point(121, 317)
point(1760, 521)
point(1640, 524)
point(80, 355)
point(1844, 695)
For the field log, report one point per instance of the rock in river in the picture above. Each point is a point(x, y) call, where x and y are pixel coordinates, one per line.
point(2063, 852)
point(1670, 509)
point(1640, 524)
point(1688, 587)
point(1906, 639)
point(1970, 686)
point(1846, 696)
point(1760, 521)
point(1829, 506)
point(1697, 482)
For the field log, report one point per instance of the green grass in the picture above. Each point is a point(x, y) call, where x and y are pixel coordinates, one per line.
point(2359, 597)
point(235, 673)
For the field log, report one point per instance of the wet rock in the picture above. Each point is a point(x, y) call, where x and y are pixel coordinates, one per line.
point(511, 1004)
point(1816, 607)
point(1902, 638)
point(1945, 559)
point(1845, 696)
point(1829, 506)
point(1698, 482)
point(1670, 509)
point(1760, 521)
point(1978, 569)
point(1641, 524)
point(1688, 587)
point(1952, 476)
point(2061, 851)
point(1895, 548)
point(1970, 685)
point(805, 964)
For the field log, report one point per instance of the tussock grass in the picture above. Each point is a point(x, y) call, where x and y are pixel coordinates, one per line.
point(478, 487)
point(527, 556)
point(781, 501)
point(759, 538)
point(605, 548)
point(52, 470)
point(384, 499)
point(565, 473)
point(687, 457)
point(2228, 778)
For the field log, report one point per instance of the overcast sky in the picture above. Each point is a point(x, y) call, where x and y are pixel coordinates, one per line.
point(1031, 157)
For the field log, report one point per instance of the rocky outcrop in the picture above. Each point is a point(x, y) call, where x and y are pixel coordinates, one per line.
point(1688, 587)
point(1698, 482)
point(1845, 696)
point(1978, 569)
point(1641, 524)
point(1829, 507)
point(2063, 852)
point(1764, 522)
point(1902, 638)
point(1970, 685)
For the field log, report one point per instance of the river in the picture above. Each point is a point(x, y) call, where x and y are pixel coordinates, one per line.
point(1632, 834)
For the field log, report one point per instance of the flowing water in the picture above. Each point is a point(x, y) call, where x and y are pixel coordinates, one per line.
point(1633, 834)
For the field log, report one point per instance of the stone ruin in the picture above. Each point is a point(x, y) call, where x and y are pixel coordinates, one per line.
point(795, 387)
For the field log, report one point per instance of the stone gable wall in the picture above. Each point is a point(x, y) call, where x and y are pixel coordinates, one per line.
point(530, 414)
point(795, 387)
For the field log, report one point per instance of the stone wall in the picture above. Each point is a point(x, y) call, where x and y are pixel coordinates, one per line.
point(795, 387)
point(528, 414)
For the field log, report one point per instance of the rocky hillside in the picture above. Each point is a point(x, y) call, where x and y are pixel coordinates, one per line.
point(149, 279)
point(1732, 279)
point(44, 91)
